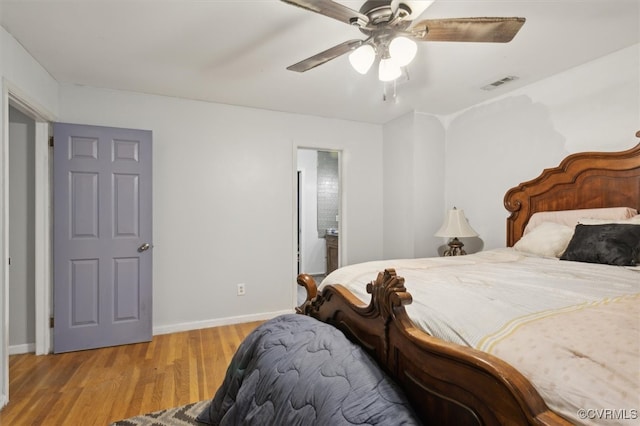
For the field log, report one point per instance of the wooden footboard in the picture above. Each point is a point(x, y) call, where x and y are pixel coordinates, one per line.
point(446, 383)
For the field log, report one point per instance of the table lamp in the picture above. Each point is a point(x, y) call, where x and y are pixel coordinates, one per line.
point(455, 225)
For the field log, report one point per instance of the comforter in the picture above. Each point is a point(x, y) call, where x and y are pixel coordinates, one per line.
point(296, 370)
point(572, 328)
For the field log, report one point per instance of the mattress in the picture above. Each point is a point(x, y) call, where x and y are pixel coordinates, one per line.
point(572, 328)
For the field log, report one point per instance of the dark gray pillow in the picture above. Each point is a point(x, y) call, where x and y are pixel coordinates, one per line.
point(611, 244)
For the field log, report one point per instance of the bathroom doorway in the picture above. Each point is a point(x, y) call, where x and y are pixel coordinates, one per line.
point(22, 241)
point(318, 210)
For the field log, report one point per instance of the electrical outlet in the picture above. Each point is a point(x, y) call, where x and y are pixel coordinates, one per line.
point(241, 289)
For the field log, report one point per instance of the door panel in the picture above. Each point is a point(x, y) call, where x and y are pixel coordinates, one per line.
point(102, 215)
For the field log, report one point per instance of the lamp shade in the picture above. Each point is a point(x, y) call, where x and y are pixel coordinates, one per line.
point(402, 50)
point(456, 225)
point(362, 58)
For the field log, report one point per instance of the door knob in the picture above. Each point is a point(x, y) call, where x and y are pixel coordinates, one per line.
point(144, 247)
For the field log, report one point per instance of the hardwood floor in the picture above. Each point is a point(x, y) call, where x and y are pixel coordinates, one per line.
point(97, 387)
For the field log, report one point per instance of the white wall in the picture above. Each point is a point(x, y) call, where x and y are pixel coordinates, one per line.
point(413, 169)
point(429, 175)
point(224, 187)
point(472, 159)
point(499, 144)
point(24, 75)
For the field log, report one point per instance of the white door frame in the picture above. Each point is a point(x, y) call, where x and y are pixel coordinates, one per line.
point(12, 95)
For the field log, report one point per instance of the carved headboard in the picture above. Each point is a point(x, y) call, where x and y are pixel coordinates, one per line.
point(582, 181)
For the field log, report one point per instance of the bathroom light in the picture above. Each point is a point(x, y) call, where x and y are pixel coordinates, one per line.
point(388, 70)
point(402, 50)
point(362, 58)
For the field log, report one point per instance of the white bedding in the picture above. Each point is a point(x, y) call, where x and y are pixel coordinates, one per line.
point(498, 299)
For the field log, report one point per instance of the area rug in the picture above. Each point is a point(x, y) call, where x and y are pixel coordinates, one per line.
point(178, 416)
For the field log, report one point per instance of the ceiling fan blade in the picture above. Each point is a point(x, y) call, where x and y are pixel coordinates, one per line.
point(332, 10)
point(325, 56)
point(487, 30)
point(394, 7)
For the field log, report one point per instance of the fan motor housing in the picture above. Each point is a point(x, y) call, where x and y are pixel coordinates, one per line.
point(379, 11)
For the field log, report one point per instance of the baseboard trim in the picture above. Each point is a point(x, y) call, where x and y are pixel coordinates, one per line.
point(175, 328)
point(22, 349)
point(196, 325)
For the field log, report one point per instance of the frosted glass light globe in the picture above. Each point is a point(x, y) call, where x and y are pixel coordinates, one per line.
point(388, 70)
point(402, 50)
point(362, 58)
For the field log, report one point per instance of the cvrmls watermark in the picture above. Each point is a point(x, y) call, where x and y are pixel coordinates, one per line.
point(608, 414)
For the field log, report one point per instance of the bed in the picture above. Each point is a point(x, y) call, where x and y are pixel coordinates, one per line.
point(463, 377)
point(540, 332)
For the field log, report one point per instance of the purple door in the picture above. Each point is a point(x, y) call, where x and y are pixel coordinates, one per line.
point(102, 256)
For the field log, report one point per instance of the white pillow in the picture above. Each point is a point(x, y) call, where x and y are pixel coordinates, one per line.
point(571, 217)
point(548, 239)
point(590, 221)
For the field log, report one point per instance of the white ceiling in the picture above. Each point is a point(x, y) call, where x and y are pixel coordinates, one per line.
point(236, 51)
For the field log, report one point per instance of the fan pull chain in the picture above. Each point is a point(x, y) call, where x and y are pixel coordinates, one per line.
point(384, 91)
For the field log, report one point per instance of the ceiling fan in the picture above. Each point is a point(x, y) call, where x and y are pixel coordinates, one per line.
point(391, 35)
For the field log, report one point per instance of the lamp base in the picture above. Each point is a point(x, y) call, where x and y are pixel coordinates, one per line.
point(455, 248)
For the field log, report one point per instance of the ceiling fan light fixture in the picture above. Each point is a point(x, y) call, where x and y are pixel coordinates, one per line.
point(388, 70)
point(403, 50)
point(362, 58)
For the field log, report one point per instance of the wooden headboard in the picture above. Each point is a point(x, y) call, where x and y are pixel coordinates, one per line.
point(585, 180)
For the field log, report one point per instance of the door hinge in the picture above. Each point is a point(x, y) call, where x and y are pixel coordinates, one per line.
point(9, 261)
point(51, 322)
point(51, 141)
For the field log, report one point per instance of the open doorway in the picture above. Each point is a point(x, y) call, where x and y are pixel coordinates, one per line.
point(21, 232)
point(13, 97)
point(318, 211)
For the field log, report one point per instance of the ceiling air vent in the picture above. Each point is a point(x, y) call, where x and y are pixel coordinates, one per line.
point(499, 83)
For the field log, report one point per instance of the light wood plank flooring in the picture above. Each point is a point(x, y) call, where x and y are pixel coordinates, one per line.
point(97, 387)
